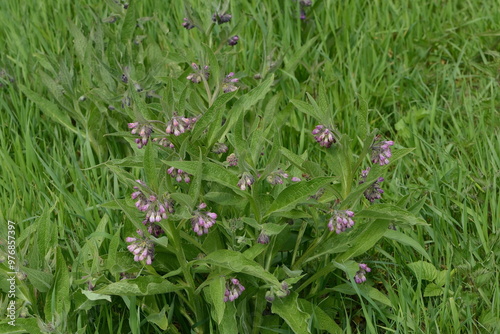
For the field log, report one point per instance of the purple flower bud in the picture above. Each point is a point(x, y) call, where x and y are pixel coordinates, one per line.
point(233, 40)
point(142, 248)
point(187, 24)
point(360, 275)
point(373, 192)
point(220, 19)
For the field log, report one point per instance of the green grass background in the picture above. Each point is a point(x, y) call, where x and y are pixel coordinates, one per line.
point(427, 71)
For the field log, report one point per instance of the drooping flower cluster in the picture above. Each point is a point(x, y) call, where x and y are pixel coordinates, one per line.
point(263, 238)
point(180, 124)
point(277, 177)
point(219, 148)
point(228, 84)
point(221, 18)
point(381, 152)
point(232, 160)
point(142, 130)
point(303, 5)
point(187, 24)
point(246, 181)
point(164, 142)
point(142, 247)
point(324, 136)
point(179, 175)
point(233, 290)
point(281, 292)
point(341, 221)
point(199, 73)
point(373, 192)
point(360, 274)
point(202, 220)
point(233, 40)
point(155, 209)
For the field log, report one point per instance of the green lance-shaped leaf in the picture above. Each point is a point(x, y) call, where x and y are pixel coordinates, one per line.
point(321, 319)
point(297, 192)
point(211, 172)
point(406, 240)
point(141, 286)
point(239, 263)
point(288, 309)
point(215, 296)
point(306, 108)
point(390, 212)
point(59, 302)
point(150, 158)
point(364, 238)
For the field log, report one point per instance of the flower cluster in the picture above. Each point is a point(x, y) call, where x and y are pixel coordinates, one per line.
point(143, 130)
point(281, 292)
point(341, 221)
point(179, 175)
point(155, 209)
point(141, 247)
point(381, 152)
point(187, 24)
point(246, 181)
point(232, 160)
point(303, 5)
point(263, 238)
point(233, 40)
point(233, 290)
point(277, 177)
point(373, 192)
point(219, 148)
point(324, 136)
point(164, 142)
point(179, 124)
point(221, 18)
point(228, 84)
point(202, 220)
point(360, 274)
point(200, 73)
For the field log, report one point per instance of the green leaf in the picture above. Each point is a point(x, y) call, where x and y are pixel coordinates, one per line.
point(239, 263)
point(390, 212)
point(297, 192)
point(129, 23)
point(211, 172)
point(365, 290)
point(50, 109)
point(273, 229)
point(215, 296)
point(42, 281)
point(306, 108)
point(321, 319)
point(298, 55)
point(364, 238)
point(424, 270)
point(59, 303)
point(141, 286)
point(433, 290)
point(229, 324)
point(208, 117)
point(95, 296)
point(406, 240)
point(288, 309)
point(150, 158)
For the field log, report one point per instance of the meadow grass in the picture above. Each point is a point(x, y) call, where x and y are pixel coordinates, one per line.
point(427, 73)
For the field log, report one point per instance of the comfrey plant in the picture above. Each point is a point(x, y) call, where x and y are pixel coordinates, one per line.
point(233, 215)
